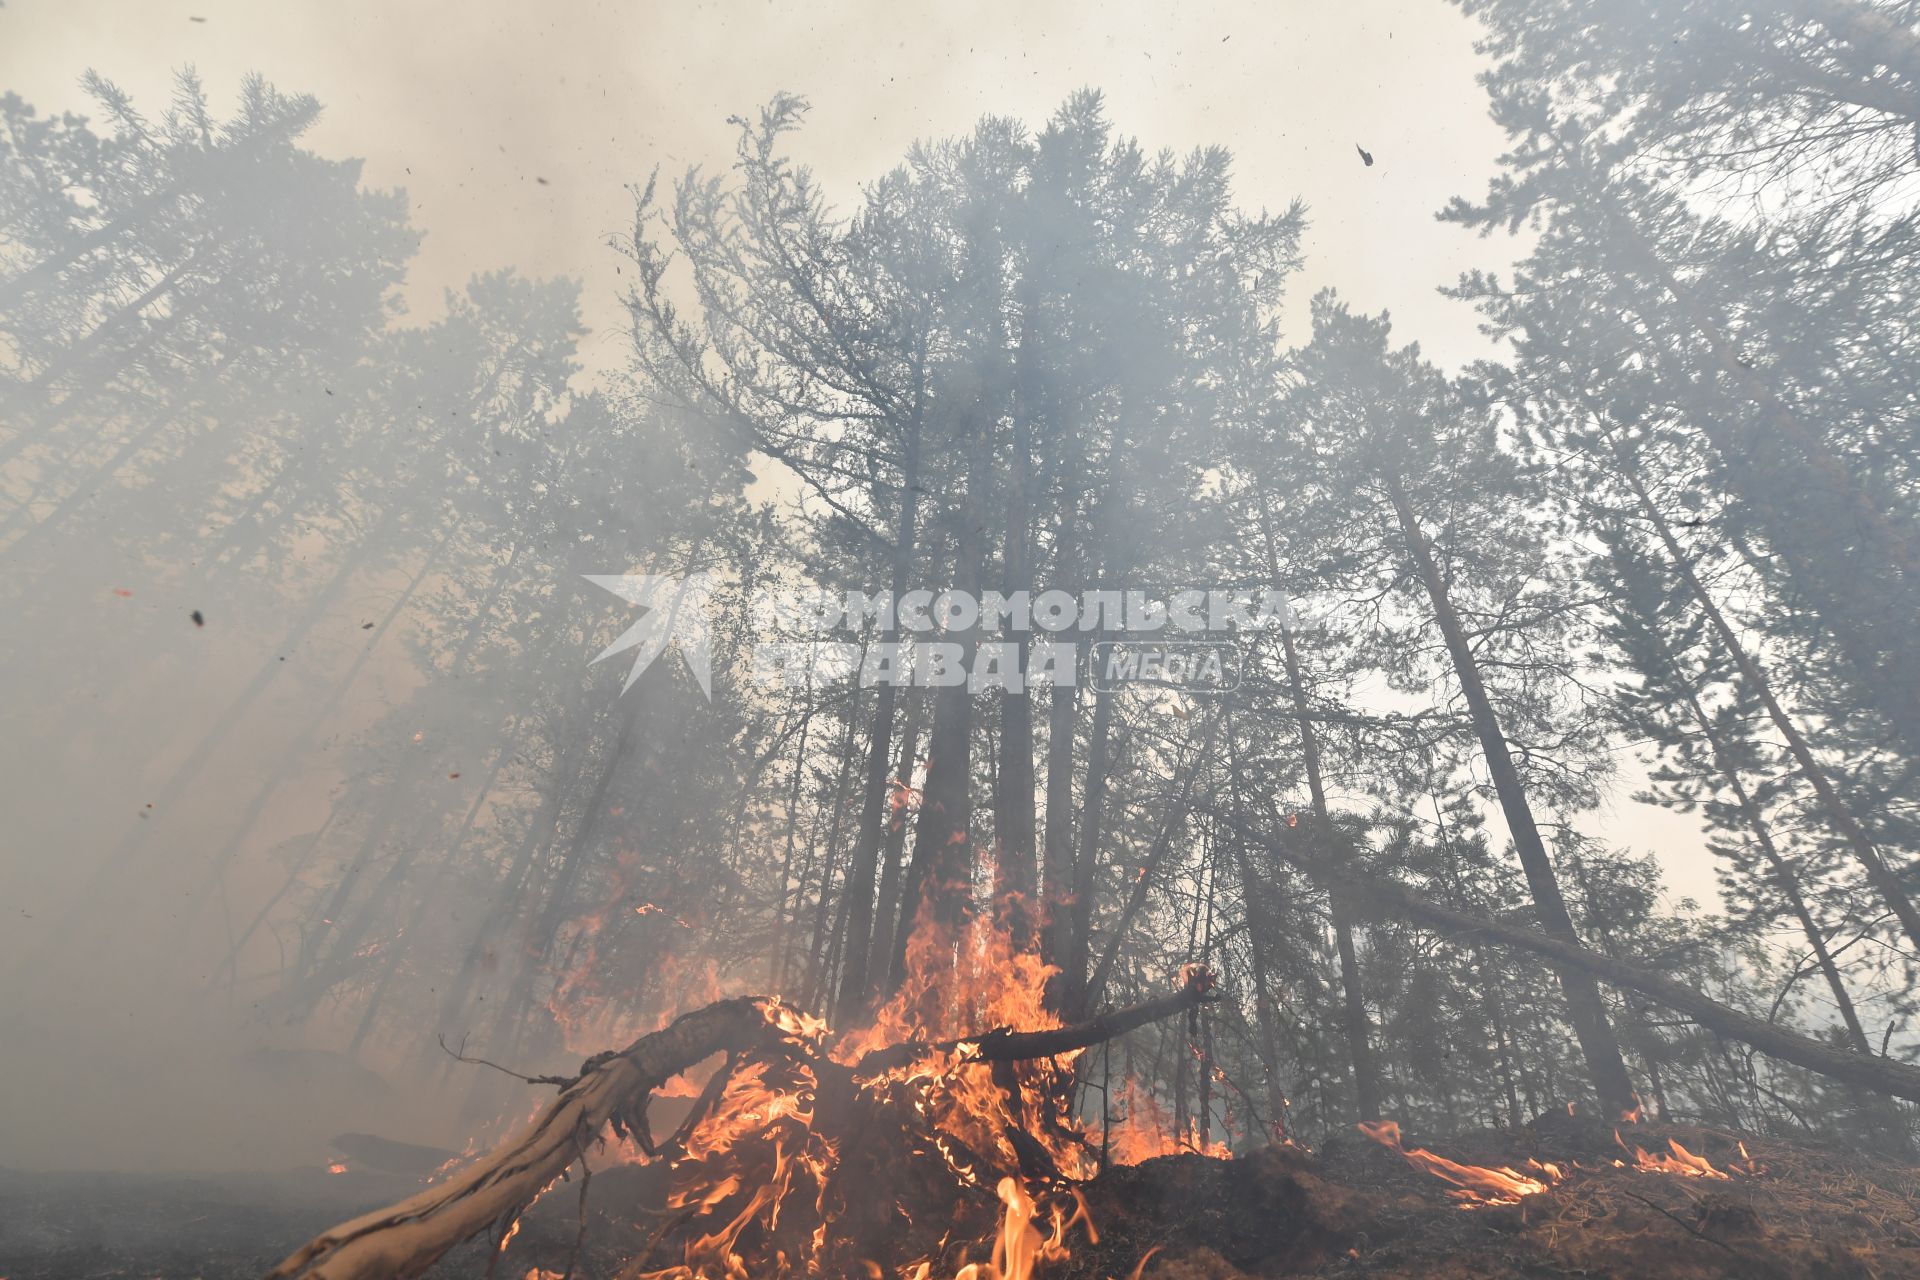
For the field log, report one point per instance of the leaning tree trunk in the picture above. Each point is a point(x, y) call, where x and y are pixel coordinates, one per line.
point(1839, 543)
point(1584, 1006)
point(1389, 900)
point(1839, 814)
point(1366, 1075)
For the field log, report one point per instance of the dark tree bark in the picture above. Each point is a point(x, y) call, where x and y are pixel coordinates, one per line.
point(1389, 900)
point(1366, 1075)
point(1074, 965)
point(1584, 1006)
point(856, 982)
point(1839, 814)
point(941, 871)
point(893, 852)
point(1016, 875)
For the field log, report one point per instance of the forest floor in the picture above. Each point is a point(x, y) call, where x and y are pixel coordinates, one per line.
point(1784, 1211)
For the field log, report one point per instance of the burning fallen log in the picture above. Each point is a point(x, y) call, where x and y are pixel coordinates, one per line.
point(778, 1080)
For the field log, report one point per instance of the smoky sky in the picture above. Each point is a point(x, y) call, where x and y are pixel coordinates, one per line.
point(470, 106)
point(515, 130)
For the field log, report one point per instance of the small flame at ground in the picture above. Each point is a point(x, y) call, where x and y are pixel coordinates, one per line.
point(1682, 1161)
point(1145, 1131)
point(1475, 1184)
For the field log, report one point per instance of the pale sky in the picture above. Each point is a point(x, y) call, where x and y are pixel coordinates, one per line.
point(465, 105)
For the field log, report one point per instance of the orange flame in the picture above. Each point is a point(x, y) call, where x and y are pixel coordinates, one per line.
point(1146, 1131)
point(1682, 1161)
point(1019, 1249)
point(1476, 1184)
point(958, 981)
point(752, 1156)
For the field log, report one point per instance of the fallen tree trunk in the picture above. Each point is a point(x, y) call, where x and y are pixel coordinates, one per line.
point(1384, 898)
point(405, 1239)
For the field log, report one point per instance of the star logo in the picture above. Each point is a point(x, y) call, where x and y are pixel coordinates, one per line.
point(676, 615)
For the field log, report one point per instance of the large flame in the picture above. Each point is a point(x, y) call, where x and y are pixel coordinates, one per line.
point(959, 982)
point(754, 1188)
point(754, 1179)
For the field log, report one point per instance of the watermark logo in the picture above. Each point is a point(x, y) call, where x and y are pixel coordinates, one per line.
point(1189, 640)
point(676, 616)
point(1195, 666)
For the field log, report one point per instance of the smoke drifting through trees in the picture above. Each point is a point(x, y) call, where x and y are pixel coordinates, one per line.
point(1676, 521)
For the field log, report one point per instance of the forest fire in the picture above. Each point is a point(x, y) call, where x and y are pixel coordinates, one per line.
point(1119, 679)
point(1145, 1131)
point(769, 1168)
point(1019, 1249)
point(969, 978)
point(760, 1163)
point(789, 1126)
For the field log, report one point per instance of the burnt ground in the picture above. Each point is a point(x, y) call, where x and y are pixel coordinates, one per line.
point(65, 1226)
point(1357, 1209)
point(1352, 1210)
